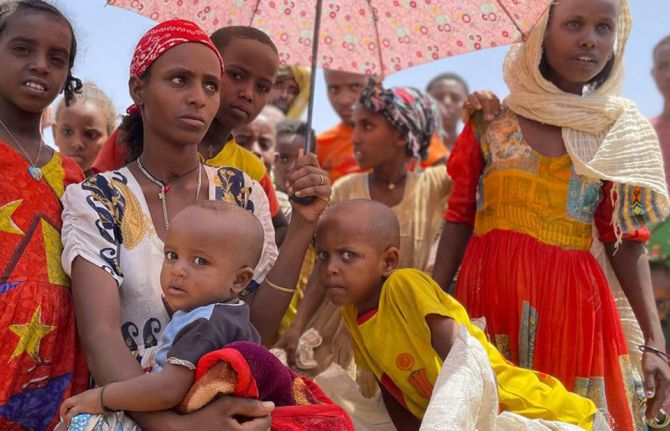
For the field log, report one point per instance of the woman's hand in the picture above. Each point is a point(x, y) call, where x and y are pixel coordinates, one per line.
point(485, 101)
point(308, 180)
point(656, 382)
point(86, 402)
point(228, 413)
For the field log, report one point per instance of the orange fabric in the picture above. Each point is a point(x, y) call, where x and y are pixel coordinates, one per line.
point(111, 156)
point(547, 307)
point(335, 151)
point(42, 362)
point(269, 189)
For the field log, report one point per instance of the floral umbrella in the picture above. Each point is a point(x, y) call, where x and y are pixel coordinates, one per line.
point(373, 37)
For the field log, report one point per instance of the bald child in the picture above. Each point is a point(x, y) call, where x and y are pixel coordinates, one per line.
point(211, 250)
point(403, 325)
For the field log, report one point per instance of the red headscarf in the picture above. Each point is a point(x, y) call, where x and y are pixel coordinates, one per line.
point(151, 46)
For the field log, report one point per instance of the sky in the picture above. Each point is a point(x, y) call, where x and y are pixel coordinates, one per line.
point(107, 37)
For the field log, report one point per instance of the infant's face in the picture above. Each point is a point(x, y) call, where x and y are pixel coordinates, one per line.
point(199, 267)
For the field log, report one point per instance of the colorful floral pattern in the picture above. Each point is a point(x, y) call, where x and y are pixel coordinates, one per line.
point(375, 37)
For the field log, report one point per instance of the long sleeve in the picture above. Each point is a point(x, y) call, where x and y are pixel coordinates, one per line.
point(465, 168)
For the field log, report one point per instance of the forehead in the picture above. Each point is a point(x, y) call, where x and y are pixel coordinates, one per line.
point(261, 125)
point(194, 57)
point(288, 80)
point(288, 142)
point(361, 112)
point(252, 55)
point(596, 8)
point(84, 112)
point(53, 30)
point(446, 85)
point(335, 77)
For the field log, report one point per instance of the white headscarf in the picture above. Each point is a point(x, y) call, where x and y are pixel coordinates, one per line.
point(604, 133)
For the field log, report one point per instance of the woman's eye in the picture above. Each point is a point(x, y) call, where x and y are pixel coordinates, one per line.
point(21, 49)
point(170, 255)
point(200, 261)
point(212, 87)
point(178, 80)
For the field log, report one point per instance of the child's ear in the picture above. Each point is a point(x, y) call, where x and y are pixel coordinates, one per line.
point(242, 278)
point(136, 87)
point(391, 258)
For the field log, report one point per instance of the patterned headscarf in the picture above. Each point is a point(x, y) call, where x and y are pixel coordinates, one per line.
point(161, 39)
point(414, 113)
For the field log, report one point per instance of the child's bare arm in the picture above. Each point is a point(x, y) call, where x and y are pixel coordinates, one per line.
point(401, 417)
point(443, 331)
point(146, 393)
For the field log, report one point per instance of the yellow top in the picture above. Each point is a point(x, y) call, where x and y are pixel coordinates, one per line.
point(524, 191)
point(232, 154)
point(394, 343)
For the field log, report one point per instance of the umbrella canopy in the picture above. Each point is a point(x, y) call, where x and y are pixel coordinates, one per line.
point(374, 37)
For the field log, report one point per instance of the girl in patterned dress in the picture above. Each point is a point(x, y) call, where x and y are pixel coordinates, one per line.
point(42, 362)
point(565, 155)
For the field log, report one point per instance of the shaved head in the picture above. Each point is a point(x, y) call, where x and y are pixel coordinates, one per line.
point(229, 224)
point(365, 221)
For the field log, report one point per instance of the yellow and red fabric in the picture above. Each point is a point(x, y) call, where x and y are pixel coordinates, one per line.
point(41, 362)
point(528, 268)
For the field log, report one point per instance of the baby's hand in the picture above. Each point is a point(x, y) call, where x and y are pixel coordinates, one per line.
point(86, 402)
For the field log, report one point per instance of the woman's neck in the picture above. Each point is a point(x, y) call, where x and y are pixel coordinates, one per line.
point(393, 172)
point(450, 139)
point(167, 163)
point(214, 140)
point(23, 126)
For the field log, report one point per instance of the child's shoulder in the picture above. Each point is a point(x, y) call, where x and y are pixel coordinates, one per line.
point(408, 282)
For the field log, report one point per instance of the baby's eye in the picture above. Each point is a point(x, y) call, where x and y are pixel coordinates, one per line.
point(347, 255)
point(170, 255)
point(200, 261)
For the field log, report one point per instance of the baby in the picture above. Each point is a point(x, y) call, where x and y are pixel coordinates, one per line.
point(403, 325)
point(211, 250)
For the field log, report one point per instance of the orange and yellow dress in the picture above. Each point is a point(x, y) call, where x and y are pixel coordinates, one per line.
point(41, 362)
point(528, 270)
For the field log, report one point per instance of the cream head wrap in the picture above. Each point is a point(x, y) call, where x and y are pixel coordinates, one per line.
point(604, 133)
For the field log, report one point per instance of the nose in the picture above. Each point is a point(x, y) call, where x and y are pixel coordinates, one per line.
point(587, 40)
point(40, 64)
point(197, 96)
point(246, 91)
point(332, 267)
point(346, 99)
point(256, 149)
point(177, 269)
point(77, 144)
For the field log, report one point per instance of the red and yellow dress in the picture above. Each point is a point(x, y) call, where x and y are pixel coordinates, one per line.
point(40, 360)
point(528, 270)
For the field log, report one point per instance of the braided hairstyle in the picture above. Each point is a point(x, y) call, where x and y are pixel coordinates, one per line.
point(10, 8)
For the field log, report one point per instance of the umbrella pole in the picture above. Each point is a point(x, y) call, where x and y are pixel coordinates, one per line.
point(312, 79)
point(306, 200)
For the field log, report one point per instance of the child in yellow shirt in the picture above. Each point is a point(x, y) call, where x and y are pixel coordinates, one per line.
point(403, 325)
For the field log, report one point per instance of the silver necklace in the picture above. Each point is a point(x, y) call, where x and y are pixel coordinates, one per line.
point(34, 169)
point(164, 188)
point(389, 184)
